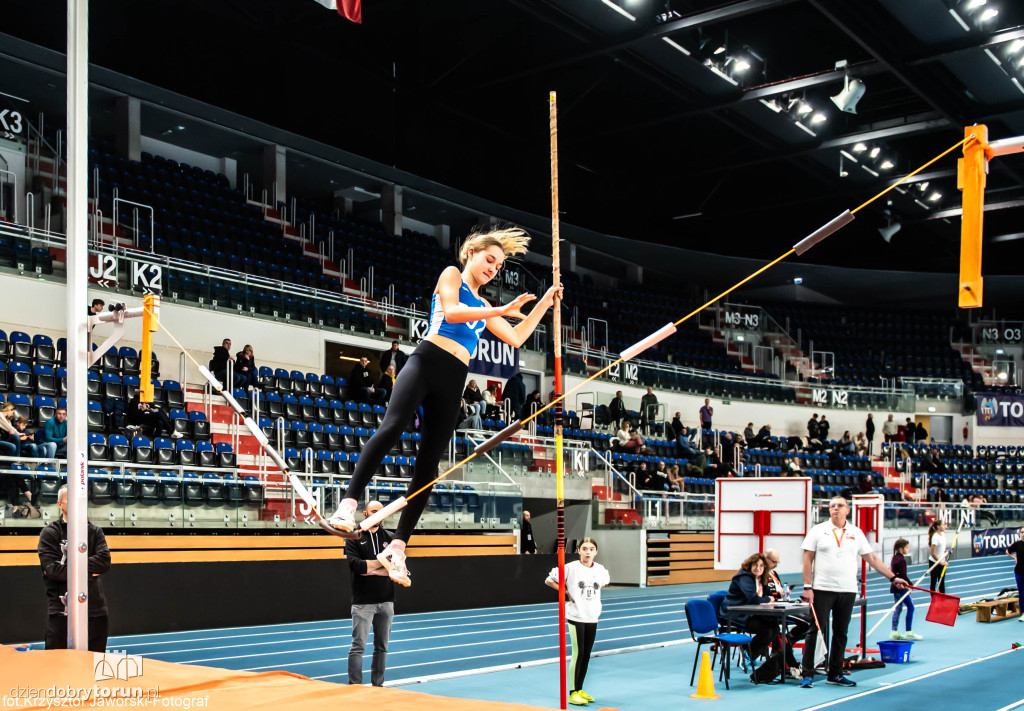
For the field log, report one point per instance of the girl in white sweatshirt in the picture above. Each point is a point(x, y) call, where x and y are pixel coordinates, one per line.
point(583, 582)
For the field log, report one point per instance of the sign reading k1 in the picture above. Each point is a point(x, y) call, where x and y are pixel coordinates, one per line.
point(1000, 411)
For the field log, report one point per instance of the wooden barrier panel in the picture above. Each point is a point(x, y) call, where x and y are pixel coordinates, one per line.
point(20, 549)
point(683, 558)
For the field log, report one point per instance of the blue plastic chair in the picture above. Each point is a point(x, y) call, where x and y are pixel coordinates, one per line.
point(702, 620)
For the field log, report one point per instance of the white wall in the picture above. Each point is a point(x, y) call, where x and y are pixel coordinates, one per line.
point(224, 166)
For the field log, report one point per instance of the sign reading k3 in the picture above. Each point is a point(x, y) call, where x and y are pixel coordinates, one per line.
point(1000, 411)
point(12, 118)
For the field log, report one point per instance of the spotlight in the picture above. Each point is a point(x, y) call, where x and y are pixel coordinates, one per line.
point(935, 197)
point(741, 65)
point(1016, 46)
point(988, 14)
point(875, 151)
point(846, 100)
point(798, 280)
point(719, 49)
point(887, 165)
point(975, 4)
point(804, 108)
point(859, 148)
point(819, 118)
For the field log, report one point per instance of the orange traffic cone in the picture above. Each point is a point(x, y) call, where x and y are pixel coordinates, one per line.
point(706, 680)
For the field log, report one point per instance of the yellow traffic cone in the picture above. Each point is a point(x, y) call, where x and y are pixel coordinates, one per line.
point(706, 680)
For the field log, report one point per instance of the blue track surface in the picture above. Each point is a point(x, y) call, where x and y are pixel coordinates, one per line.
point(450, 651)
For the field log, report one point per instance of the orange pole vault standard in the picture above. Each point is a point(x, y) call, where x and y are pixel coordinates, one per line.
point(971, 174)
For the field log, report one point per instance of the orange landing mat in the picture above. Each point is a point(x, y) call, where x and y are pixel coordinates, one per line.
point(68, 679)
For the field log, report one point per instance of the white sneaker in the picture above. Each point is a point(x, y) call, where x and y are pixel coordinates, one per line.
point(895, 635)
point(176, 435)
point(394, 560)
point(914, 636)
point(344, 519)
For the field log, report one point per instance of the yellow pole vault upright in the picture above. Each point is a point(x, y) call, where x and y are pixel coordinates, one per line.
point(556, 280)
point(150, 325)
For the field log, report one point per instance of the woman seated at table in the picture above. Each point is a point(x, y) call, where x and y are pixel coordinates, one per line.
point(749, 587)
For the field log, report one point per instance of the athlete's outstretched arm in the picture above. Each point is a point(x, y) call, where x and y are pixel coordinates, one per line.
point(517, 335)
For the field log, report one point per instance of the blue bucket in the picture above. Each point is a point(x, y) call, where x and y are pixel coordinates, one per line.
point(895, 652)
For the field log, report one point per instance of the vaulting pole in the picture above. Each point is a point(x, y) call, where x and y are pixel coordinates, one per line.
point(556, 280)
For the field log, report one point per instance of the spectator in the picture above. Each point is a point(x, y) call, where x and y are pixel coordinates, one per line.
point(617, 408)
point(96, 308)
point(675, 478)
point(813, 433)
point(846, 443)
point(468, 418)
point(660, 480)
point(532, 404)
point(792, 467)
point(889, 429)
point(920, 434)
point(869, 430)
point(474, 399)
point(764, 437)
point(373, 599)
point(114, 409)
point(704, 415)
point(909, 430)
point(515, 393)
point(628, 439)
point(648, 409)
point(387, 381)
point(644, 477)
point(361, 382)
point(748, 434)
point(29, 448)
point(53, 542)
point(731, 454)
point(393, 356)
point(861, 444)
point(713, 465)
point(529, 544)
point(219, 364)
point(56, 431)
point(832, 554)
point(823, 428)
point(245, 365)
point(697, 465)
point(143, 414)
point(10, 444)
point(687, 447)
point(490, 396)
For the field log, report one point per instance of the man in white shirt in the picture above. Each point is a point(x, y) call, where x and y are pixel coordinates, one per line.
point(832, 555)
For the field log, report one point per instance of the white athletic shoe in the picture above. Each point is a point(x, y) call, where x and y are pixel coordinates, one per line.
point(394, 560)
point(912, 636)
point(176, 435)
point(895, 635)
point(344, 519)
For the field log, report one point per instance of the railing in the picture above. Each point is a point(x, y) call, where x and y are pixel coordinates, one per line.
point(14, 198)
point(136, 206)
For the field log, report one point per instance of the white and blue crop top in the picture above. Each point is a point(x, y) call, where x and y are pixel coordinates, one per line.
point(467, 334)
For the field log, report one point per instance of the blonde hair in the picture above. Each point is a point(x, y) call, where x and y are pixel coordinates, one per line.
point(512, 240)
point(8, 407)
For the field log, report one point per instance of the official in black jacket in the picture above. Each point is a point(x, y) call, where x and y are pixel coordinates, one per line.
point(52, 550)
point(373, 600)
point(749, 587)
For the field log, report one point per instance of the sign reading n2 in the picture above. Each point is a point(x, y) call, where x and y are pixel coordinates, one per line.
point(820, 396)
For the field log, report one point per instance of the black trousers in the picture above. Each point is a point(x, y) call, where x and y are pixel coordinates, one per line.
point(938, 579)
point(837, 606)
point(582, 635)
point(764, 630)
point(57, 633)
point(434, 379)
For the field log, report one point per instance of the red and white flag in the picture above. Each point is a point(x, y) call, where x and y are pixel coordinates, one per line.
point(349, 9)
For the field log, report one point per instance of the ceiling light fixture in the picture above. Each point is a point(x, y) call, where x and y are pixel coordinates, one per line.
point(859, 148)
point(619, 10)
point(819, 118)
point(887, 165)
point(741, 65)
point(875, 151)
point(853, 91)
point(975, 4)
point(988, 14)
point(935, 197)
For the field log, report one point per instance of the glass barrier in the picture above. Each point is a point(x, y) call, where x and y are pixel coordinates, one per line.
point(132, 496)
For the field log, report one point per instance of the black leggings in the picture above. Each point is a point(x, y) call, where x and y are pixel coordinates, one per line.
point(582, 635)
point(435, 379)
point(938, 579)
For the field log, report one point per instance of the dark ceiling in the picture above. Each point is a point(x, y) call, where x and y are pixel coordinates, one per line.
point(653, 144)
